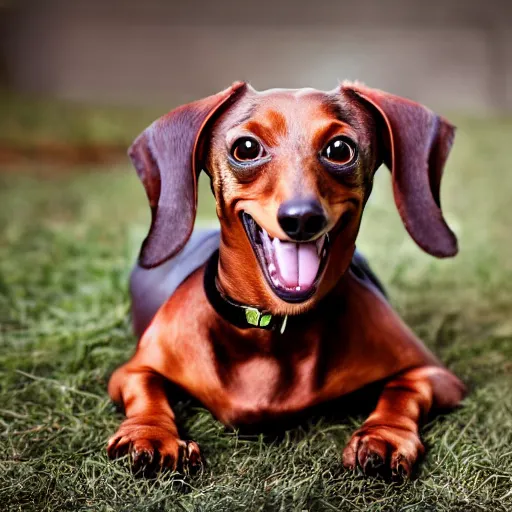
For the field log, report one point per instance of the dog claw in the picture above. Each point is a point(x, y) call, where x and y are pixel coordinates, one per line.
point(193, 459)
point(383, 452)
point(400, 469)
point(152, 448)
point(142, 459)
point(373, 464)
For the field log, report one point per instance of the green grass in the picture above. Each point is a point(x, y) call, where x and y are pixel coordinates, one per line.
point(28, 121)
point(67, 243)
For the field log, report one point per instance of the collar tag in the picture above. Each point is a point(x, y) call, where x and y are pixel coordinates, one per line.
point(283, 325)
point(256, 318)
point(252, 315)
point(238, 314)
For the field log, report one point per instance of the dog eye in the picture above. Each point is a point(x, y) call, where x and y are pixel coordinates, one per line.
point(339, 151)
point(246, 149)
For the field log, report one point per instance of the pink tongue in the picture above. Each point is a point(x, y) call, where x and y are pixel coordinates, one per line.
point(309, 262)
point(297, 263)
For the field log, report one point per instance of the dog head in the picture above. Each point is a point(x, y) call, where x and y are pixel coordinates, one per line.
point(291, 171)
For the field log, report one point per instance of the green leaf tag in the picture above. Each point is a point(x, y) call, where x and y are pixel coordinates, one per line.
point(252, 315)
point(265, 320)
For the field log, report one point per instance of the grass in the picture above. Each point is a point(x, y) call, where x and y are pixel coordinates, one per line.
point(67, 243)
point(28, 121)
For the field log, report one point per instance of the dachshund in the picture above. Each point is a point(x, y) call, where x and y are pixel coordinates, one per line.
point(277, 312)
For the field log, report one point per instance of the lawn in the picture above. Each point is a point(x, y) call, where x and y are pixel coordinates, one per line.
point(28, 121)
point(67, 242)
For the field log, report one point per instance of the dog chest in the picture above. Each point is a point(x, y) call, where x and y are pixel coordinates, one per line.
point(263, 387)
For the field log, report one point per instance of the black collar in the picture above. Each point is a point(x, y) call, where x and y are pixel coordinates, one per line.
point(238, 314)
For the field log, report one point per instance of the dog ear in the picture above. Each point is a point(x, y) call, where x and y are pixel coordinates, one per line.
point(416, 145)
point(165, 158)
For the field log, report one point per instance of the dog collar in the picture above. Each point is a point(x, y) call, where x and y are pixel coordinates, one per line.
point(240, 315)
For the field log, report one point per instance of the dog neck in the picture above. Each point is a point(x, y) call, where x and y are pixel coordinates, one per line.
point(240, 278)
point(237, 313)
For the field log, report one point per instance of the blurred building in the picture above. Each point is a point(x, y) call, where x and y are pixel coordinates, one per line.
point(451, 55)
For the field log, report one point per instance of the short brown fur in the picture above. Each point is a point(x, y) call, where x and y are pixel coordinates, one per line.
point(341, 339)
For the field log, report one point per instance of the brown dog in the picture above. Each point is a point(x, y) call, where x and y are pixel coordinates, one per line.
point(285, 315)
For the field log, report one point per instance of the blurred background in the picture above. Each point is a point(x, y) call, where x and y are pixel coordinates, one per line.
point(148, 57)
point(79, 79)
point(453, 54)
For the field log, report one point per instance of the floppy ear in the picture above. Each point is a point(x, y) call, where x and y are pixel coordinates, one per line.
point(417, 143)
point(164, 156)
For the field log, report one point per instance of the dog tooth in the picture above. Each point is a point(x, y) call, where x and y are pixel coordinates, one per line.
point(320, 244)
point(297, 288)
point(267, 243)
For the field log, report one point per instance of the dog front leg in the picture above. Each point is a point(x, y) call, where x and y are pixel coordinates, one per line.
point(149, 433)
point(388, 442)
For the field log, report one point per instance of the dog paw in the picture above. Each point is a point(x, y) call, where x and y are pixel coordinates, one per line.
point(383, 451)
point(153, 446)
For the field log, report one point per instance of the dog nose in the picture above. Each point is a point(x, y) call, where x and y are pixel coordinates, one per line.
point(301, 219)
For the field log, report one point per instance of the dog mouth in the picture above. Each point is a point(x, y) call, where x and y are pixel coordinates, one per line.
point(292, 269)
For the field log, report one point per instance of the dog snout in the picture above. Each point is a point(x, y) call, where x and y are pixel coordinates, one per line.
point(301, 219)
